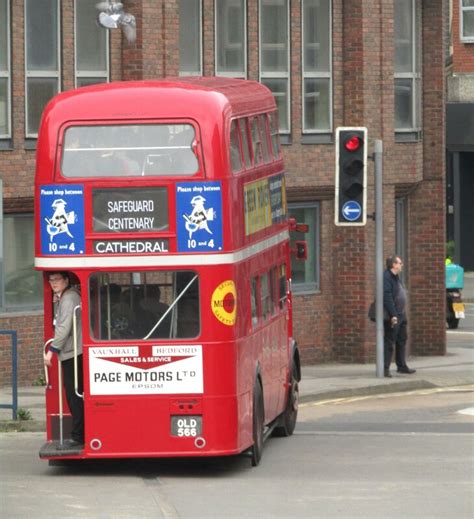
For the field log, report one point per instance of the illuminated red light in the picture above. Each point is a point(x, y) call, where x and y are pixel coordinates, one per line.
point(353, 143)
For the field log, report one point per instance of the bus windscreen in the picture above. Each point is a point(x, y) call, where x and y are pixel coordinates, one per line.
point(129, 151)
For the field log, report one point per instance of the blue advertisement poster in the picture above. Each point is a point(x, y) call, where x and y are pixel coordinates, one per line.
point(199, 216)
point(62, 219)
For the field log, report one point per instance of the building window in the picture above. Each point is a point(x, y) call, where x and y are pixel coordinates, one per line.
point(42, 59)
point(190, 37)
point(91, 45)
point(407, 66)
point(5, 103)
point(231, 38)
point(23, 286)
point(317, 66)
point(467, 20)
point(275, 55)
point(401, 232)
point(305, 274)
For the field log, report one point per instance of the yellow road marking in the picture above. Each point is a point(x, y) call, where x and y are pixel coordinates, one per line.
point(431, 391)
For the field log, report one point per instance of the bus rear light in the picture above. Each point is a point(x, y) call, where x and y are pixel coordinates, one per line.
point(185, 407)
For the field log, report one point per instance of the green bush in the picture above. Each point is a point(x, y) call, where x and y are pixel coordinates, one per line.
point(24, 415)
point(40, 381)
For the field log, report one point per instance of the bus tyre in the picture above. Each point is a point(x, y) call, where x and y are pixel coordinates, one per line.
point(287, 420)
point(258, 419)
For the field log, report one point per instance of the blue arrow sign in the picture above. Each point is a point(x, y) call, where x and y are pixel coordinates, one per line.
point(351, 210)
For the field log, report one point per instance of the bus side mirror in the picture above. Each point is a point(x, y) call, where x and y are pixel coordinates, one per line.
point(298, 227)
point(300, 250)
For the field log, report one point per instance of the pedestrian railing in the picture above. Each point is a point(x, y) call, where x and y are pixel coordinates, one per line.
point(14, 405)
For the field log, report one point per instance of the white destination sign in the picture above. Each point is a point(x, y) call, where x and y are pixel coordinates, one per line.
point(145, 369)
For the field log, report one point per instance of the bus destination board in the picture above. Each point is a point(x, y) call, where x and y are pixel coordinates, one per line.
point(134, 210)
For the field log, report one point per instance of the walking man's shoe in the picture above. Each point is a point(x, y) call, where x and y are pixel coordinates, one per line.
point(406, 370)
point(386, 373)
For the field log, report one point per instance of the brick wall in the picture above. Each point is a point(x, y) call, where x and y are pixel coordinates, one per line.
point(331, 324)
point(29, 328)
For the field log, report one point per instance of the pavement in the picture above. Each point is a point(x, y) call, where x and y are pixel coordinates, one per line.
point(320, 382)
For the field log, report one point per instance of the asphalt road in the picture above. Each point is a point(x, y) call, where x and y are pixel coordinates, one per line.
point(392, 456)
point(463, 336)
point(467, 324)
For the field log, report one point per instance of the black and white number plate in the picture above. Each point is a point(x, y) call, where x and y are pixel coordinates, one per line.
point(186, 426)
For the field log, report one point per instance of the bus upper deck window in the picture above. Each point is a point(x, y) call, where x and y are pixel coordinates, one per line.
point(274, 131)
point(256, 142)
point(245, 142)
point(263, 126)
point(235, 155)
point(129, 150)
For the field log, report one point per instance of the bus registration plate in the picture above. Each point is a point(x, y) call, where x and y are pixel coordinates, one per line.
point(186, 426)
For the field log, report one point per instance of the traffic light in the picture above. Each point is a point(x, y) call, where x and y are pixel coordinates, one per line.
point(351, 176)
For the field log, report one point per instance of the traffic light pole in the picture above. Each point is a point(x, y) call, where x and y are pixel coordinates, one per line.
point(378, 153)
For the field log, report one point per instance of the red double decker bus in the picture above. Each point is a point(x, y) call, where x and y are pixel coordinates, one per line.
point(165, 202)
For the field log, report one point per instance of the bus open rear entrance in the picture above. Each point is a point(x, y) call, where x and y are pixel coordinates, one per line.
point(173, 228)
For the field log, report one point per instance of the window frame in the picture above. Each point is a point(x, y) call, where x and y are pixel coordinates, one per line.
point(415, 76)
point(401, 233)
point(281, 76)
point(463, 9)
point(317, 75)
point(217, 42)
point(78, 75)
point(6, 74)
point(199, 72)
point(309, 287)
point(41, 74)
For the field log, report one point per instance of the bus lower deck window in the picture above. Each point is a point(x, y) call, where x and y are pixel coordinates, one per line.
point(144, 305)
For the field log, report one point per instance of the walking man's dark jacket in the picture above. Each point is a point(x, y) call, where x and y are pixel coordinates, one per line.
point(391, 287)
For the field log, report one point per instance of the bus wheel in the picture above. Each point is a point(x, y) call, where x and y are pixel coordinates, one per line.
point(287, 421)
point(258, 424)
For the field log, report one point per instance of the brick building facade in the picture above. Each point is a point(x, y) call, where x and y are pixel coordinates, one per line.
point(460, 134)
point(364, 90)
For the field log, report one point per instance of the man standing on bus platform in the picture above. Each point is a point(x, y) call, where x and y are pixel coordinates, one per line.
point(65, 300)
point(395, 328)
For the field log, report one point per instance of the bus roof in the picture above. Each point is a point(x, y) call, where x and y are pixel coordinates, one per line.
point(189, 97)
